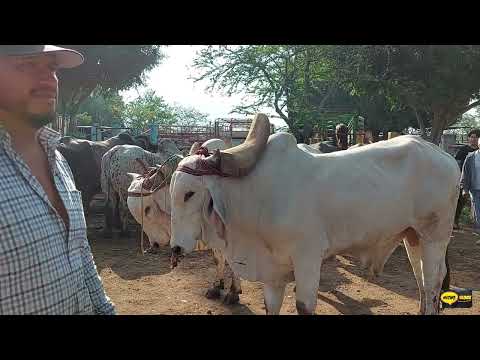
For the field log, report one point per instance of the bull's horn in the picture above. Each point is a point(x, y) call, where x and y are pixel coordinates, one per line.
point(194, 148)
point(240, 160)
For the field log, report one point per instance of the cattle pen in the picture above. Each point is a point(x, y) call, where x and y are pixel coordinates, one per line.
point(233, 131)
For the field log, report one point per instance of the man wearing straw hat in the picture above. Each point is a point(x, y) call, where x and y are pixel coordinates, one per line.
point(46, 265)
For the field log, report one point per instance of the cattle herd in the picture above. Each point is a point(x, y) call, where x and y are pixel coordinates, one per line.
point(273, 210)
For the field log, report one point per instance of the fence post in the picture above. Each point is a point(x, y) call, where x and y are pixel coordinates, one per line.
point(153, 133)
point(93, 132)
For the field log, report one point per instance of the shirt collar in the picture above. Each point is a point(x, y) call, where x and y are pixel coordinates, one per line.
point(45, 135)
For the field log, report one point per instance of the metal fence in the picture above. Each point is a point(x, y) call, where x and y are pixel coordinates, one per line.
point(232, 131)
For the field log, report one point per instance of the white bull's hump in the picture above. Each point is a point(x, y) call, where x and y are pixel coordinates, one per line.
point(281, 141)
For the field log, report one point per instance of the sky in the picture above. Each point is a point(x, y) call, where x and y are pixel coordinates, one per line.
point(170, 80)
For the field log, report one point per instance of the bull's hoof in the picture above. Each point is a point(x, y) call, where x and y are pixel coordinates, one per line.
point(231, 299)
point(152, 250)
point(213, 293)
point(302, 309)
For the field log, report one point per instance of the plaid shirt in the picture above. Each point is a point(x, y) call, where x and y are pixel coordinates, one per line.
point(44, 269)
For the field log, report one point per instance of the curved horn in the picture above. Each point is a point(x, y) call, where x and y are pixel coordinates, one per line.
point(194, 148)
point(241, 159)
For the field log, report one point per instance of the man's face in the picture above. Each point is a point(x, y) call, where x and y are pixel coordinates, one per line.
point(473, 140)
point(29, 88)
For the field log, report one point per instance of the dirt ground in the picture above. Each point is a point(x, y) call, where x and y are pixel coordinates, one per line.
point(144, 284)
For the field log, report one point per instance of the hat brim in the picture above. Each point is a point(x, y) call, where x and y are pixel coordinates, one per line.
point(66, 58)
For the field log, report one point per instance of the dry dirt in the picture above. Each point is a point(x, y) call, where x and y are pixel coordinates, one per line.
point(144, 284)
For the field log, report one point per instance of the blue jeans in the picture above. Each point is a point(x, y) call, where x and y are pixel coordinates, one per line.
point(475, 196)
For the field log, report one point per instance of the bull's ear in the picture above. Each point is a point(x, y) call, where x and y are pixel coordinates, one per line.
point(214, 210)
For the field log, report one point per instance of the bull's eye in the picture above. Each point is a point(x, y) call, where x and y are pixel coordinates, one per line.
point(147, 210)
point(188, 195)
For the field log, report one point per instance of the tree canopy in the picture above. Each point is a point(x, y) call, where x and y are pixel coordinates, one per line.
point(106, 68)
point(109, 109)
point(148, 109)
point(393, 86)
point(281, 76)
point(437, 82)
point(103, 108)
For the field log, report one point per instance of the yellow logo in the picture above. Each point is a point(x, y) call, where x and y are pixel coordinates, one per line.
point(449, 297)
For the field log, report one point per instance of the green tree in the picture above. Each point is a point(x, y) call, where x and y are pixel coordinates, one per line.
point(84, 118)
point(301, 83)
point(188, 116)
point(380, 116)
point(464, 124)
point(103, 108)
point(285, 77)
point(437, 82)
point(149, 109)
point(106, 68)
point(467, 121)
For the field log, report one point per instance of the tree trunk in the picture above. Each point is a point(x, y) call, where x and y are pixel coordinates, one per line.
point(421, 124)
point(439, 123)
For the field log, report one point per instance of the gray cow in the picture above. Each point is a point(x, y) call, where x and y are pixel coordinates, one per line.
point(116, 164)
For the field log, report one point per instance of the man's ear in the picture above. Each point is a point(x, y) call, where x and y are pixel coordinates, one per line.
point(214, 210)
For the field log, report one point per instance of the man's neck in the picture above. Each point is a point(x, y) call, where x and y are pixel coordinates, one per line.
point(23, 135)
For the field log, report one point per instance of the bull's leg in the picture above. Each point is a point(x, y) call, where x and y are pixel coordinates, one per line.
point(273, 297)
point(109, 213)
point(434, 270)
point(235, 288)
point(216, 291)
point(307, 278)
point(446, 280)
point(414, 253)
point(123, 209)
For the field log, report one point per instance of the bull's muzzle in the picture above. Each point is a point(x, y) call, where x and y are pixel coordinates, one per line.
point(177, 254)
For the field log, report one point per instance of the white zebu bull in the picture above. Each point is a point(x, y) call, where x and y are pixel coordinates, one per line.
point(115, 181)
point(274, 208)
point(156, 220)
